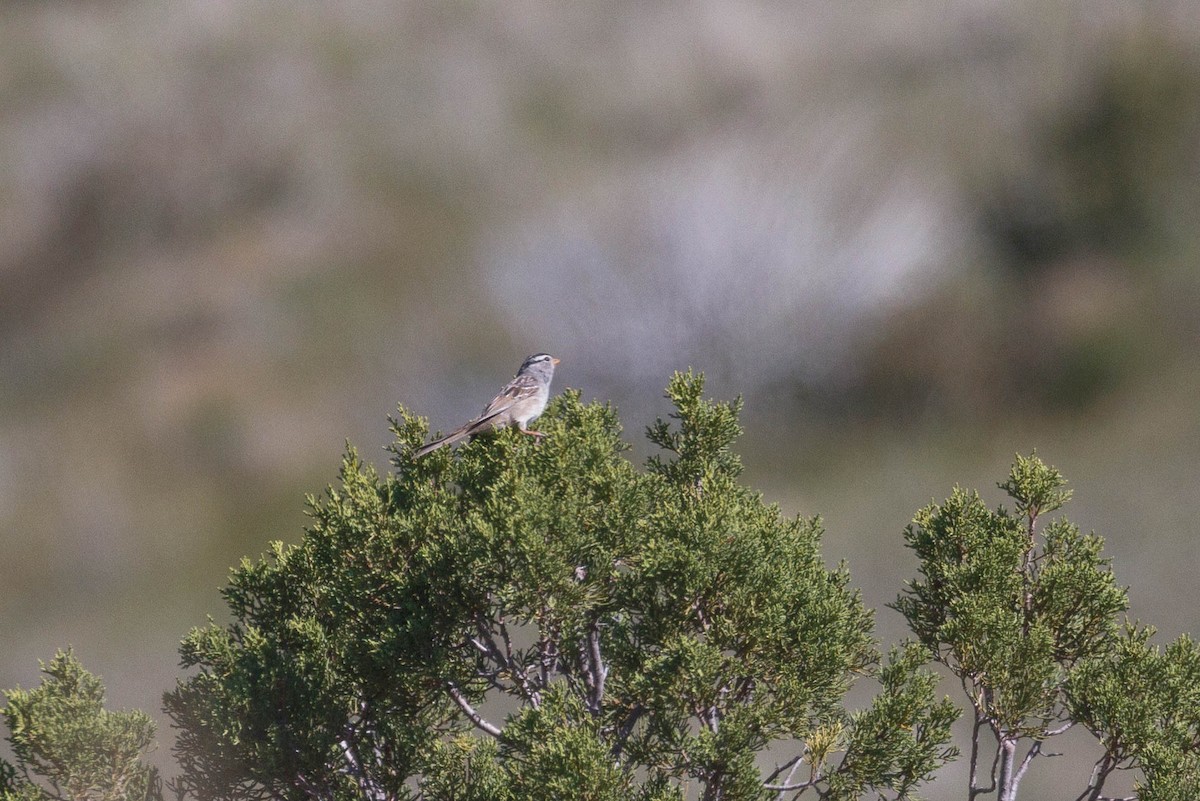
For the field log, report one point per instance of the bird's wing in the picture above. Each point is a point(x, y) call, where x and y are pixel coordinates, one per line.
point(521, 387)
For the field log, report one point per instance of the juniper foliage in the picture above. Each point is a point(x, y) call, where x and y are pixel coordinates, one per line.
point(1026, 615)
point(542, 620)
point(68, 747)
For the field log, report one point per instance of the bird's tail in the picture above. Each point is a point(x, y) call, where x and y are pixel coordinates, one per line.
point(470, 429)
point(449, 439)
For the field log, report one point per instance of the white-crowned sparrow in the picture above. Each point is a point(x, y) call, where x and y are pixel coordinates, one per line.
point(521, 400)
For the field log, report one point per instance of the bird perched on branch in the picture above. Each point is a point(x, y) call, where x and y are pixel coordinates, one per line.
point(521, 401)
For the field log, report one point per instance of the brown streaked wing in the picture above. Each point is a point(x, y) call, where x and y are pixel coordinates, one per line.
point(523, 386)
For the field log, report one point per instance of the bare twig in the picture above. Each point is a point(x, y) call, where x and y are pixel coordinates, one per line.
point(485, 650)
point(1033, 751)
point(789, 787)
point(1027, 570)
point(789, 764)
point(1104, 766)
point(508, 652)
point(700, 616)
point(974, 788)
point(306, 785)
point(623, 733)
point(995, 765)
point(596, 668)
point(745, 688)
point(470, 712)
point(504, 659)
point(1060, 729)
point(979, 703)
point(545, 649)
point(368, 786)
point(585, 671)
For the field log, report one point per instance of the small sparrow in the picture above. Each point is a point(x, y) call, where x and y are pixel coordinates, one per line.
point(521, 400)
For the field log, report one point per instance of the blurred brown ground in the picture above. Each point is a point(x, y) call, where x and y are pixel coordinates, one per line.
point(916, 239)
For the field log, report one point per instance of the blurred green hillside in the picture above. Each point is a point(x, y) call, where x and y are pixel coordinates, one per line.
point(917, 239)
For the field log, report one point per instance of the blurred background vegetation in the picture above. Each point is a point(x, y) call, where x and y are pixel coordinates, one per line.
point(918, 238)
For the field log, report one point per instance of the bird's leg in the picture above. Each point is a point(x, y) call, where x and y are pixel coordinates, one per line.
point(535, 434)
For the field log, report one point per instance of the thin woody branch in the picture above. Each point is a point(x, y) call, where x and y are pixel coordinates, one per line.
point(976, 731)
point(785, 766)
point(504, 659)
point(791, 788)
point(469, 711)
point(597, 669)
point(626, 729)
point(1104, 766)
point(1033, 751)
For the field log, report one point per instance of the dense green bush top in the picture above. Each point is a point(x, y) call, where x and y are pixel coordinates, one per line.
point(542, 620)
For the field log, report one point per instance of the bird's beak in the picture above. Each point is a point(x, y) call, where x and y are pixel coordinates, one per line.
point(554, 360)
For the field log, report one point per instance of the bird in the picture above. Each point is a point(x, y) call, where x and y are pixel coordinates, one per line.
point(522, 400)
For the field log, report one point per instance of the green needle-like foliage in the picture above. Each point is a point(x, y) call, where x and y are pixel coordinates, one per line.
point(68, 747)
point(542, 620)
point(1026, 616)
point(1143, 705)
